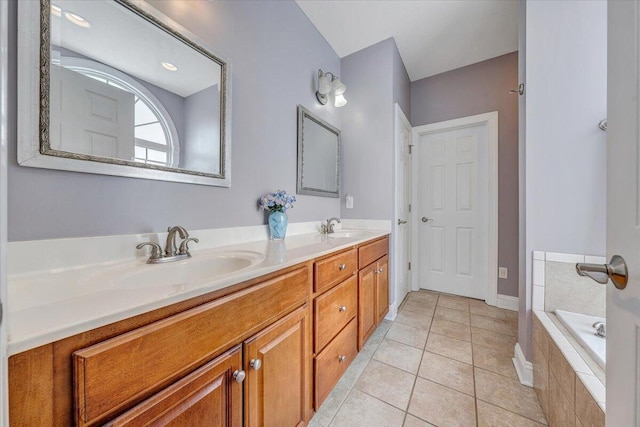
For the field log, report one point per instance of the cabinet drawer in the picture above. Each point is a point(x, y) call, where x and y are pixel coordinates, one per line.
point(333, 310)
point(114, 375)
point(372, 251)
point(334, 360)
point(333, 270)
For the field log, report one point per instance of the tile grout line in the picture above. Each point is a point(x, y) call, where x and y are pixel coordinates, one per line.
point(419, 365)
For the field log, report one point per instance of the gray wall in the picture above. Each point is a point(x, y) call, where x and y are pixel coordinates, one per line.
point(202, 130)
point(476, 89)
point(367, 131)
point(524, 276)
point(566, 151)
point(275, 53)
point(401, 83)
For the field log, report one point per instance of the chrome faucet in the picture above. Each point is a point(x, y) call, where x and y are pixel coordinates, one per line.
point(171, 251)
point(170, 248)
point(601, 329)
point(328, 227)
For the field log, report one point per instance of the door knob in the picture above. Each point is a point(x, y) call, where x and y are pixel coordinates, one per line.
point(616, 270)
point(255, 364)
point(400, 222)
point(239, 376)
point(425, 219)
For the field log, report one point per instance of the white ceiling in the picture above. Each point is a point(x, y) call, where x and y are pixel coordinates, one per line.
point(433, 36)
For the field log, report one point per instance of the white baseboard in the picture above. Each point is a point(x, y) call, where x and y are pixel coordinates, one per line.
point(524, 369)
point(508, 302)
point(393, 312)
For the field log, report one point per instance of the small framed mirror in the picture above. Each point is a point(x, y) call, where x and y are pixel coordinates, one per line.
point(115, 87)
point(318, 156)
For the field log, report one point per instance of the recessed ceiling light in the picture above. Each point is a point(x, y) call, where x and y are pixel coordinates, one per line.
point(169, 66)
point(77, 19)
point(56, 10)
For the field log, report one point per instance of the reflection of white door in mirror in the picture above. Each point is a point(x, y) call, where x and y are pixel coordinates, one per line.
point(90, 117)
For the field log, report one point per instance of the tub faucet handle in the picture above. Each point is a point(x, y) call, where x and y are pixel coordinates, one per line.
point(601, 329)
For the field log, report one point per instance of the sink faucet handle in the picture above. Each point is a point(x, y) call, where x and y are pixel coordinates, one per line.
point(156, 249)
point(184, 246)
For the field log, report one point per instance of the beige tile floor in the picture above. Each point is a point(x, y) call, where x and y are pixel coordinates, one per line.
point(445, 361)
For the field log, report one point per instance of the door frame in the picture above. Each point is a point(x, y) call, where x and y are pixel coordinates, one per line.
point(399, 116)
point(4, 123)
point(489, 119)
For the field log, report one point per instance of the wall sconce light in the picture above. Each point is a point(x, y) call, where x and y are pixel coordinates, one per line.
point(328, 83)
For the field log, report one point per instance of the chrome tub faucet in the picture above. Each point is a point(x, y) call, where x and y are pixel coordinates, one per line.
point(601, 329)
point(171, 251)
point(327, 228)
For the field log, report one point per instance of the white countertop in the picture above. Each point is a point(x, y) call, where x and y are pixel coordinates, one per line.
point(48, 306)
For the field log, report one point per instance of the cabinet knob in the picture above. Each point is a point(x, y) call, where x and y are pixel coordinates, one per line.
point(239, 376)
point(380, 270)
point(255, 364)
point(342, 358)
point(342, 308)
point(342, 267)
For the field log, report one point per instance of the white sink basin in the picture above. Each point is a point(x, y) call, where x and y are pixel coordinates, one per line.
point(183, 274)
point(349, 234)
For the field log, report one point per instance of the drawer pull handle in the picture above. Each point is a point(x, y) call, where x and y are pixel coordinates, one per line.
point(342, 267)
point(239, 376)
point(255, 364)
point(342, 308)
point(342, 358)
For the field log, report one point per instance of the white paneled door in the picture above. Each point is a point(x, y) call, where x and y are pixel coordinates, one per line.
point(402, 204)
point(91, 117)
point(453, 210)
point(623, 213)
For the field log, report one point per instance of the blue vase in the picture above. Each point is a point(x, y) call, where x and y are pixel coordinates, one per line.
point(278, 225)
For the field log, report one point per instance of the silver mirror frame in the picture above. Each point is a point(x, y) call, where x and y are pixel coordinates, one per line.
point(302, 114)
point(34, 54)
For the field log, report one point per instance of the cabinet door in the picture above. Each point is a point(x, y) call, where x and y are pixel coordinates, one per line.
point(382, 288)
point(278, 365)
point(210, 396)
point(366, 303)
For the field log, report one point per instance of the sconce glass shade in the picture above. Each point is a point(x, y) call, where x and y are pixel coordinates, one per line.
point(324, 85)
point(340, 101)
point(338, 87)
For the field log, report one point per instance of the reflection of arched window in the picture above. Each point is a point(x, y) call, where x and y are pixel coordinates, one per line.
point(156, 138)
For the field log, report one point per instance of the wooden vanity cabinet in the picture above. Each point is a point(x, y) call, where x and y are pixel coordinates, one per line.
point(373, 287)
point(176, 364)
point(291, 334)
point(210, 396)
point(278, 373)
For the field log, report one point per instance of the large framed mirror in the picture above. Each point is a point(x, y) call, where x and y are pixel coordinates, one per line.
point(318, 156)
point(115, 87)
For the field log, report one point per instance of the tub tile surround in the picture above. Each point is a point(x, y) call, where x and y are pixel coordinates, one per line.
point(455, 383)
point(49, 281)
point(570, 393)
point(556, 285)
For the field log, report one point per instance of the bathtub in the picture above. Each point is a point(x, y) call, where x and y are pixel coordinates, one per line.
point(580, 326)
